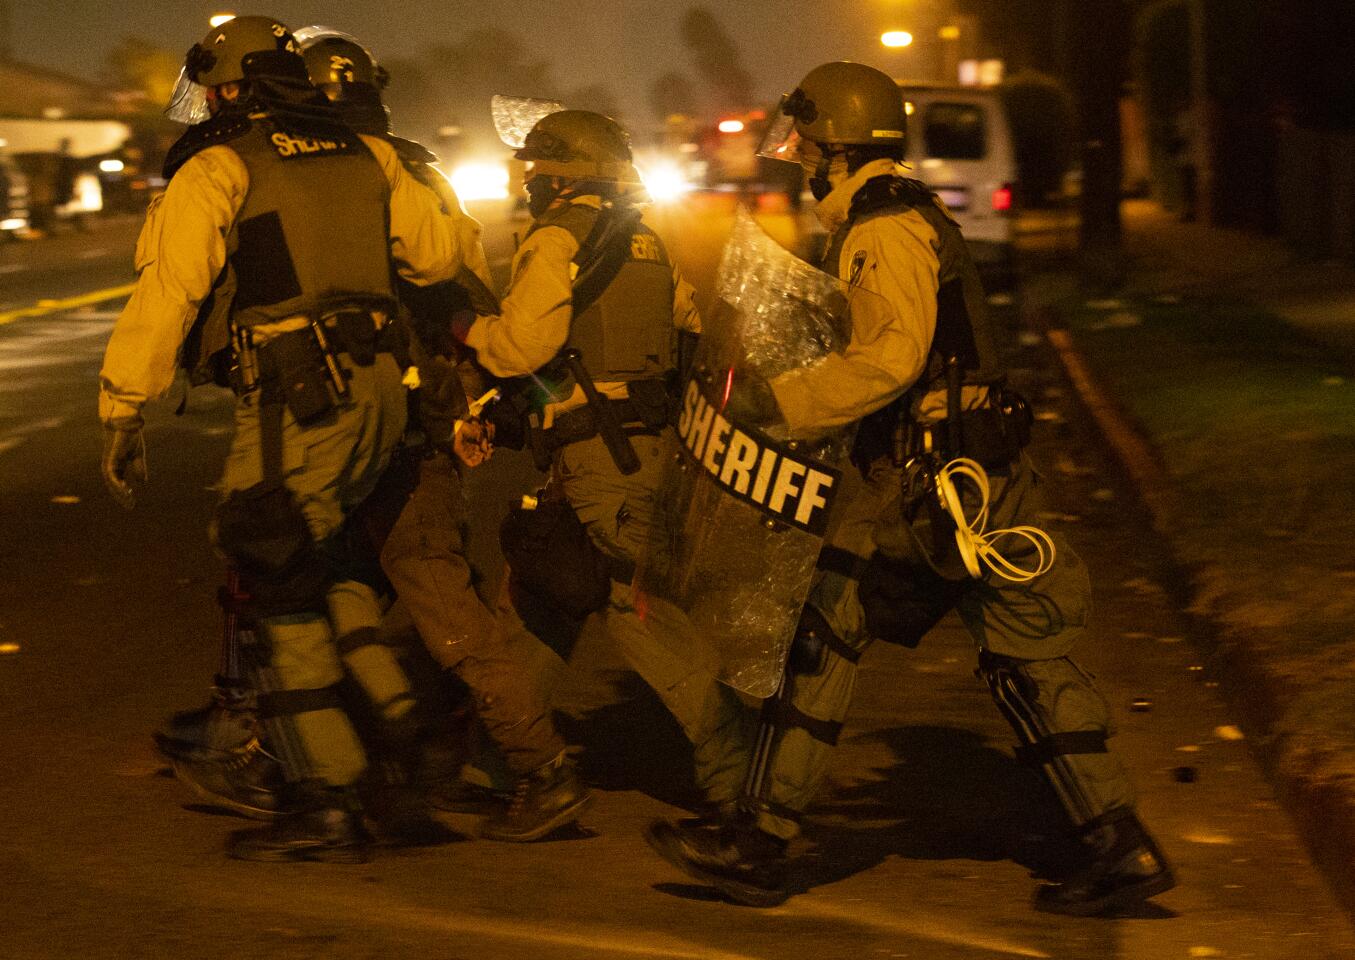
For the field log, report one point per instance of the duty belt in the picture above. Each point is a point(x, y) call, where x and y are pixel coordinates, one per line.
point(581, 423)
point(645, 413)
point(992, 435)
point(267, 363)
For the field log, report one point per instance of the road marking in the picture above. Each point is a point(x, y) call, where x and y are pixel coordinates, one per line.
point(13, 267)
point(948, 931)
point(92, 254)
point(44, 307)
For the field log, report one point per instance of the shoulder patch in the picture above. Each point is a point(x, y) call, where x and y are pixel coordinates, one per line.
point(858, 265)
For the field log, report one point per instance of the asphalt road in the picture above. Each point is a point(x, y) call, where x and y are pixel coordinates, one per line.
point(916, 849)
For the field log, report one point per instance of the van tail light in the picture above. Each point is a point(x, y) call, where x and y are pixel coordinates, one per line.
point(1002, 199)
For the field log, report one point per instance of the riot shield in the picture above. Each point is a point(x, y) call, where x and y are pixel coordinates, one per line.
point(742, 510)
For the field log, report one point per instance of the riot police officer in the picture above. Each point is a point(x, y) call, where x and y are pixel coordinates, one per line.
point(423, 554)
point(593, 283)
point(236, 263)
point(924, 381)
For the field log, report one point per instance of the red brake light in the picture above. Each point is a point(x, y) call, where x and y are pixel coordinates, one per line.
point(1002, 199)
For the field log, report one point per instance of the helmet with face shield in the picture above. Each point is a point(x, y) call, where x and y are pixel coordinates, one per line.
point(347, 73)
point(240, 50)
point(836, 107)
point(563, 147)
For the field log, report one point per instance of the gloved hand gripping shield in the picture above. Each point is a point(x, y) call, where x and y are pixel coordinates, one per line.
point(743, 507)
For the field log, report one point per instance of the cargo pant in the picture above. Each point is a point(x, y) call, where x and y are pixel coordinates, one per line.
point(617, 511)
point(425, 559)
point(1023, 632)
point(329, 467)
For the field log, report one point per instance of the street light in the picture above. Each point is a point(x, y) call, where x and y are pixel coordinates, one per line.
point(217, 19)
point(896, 38)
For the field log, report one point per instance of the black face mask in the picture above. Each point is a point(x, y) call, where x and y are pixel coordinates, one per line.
point(541, 191)
point(819, 184)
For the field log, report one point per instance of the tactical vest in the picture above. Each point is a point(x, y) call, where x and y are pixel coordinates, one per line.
point(963, 328)
point(314, 228)
point(627, 333)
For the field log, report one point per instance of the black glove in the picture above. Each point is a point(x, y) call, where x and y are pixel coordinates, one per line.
point(124, 460)
point(442, 400)
point(751, 401)
point(508, 415)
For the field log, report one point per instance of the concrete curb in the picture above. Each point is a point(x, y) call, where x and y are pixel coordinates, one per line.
point(1323, 811)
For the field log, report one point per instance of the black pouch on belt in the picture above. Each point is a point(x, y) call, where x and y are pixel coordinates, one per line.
point(291, 370)
point(651, 401)
point(551, 555)
point(356, 333)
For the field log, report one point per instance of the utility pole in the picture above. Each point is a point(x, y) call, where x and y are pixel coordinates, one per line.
point(1202, 141)
point(1099, 35)
point(6, 30)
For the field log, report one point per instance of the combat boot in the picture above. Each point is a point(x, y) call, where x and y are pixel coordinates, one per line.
point(1127, 867)
point(328, 829)
point(248, 781)
point(544, 800)
point(227, 723)
point(744, 863)
point(396, 799)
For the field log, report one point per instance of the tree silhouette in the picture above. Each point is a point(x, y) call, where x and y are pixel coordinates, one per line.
point(672, 93)
point(717, 60)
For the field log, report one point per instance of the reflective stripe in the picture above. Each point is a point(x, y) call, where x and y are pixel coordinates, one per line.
point(842, 562)
point(283, 703)
point(1062, 744)
point(784, 715)
point(357, 639)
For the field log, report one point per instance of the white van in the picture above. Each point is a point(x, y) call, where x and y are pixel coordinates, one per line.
point(959, 144)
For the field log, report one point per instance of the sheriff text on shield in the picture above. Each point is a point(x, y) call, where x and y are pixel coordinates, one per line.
point(773, 476)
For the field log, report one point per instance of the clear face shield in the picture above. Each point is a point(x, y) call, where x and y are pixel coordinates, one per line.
point(189, 101)
point(514, 117)
point(781, 141)
point(308, 35)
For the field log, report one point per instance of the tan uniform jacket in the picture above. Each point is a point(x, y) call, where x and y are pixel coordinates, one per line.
point(182, 249)
point(534, 317)
point(893, 266)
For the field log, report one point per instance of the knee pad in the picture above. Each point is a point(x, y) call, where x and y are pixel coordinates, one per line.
point(901, 602)
point(1061, 723)
point(265, 535)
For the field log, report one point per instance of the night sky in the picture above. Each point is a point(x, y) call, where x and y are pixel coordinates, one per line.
point(626, 43)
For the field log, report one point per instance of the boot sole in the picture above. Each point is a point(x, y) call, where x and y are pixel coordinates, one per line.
point(743, 894)
point(183, 773)
point(566, 815)
point(1124, 897)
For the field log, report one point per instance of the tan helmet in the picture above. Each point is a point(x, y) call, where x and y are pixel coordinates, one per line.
point(338, 63)
point(243, 48)
point(841, 103)
point(579, 145)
